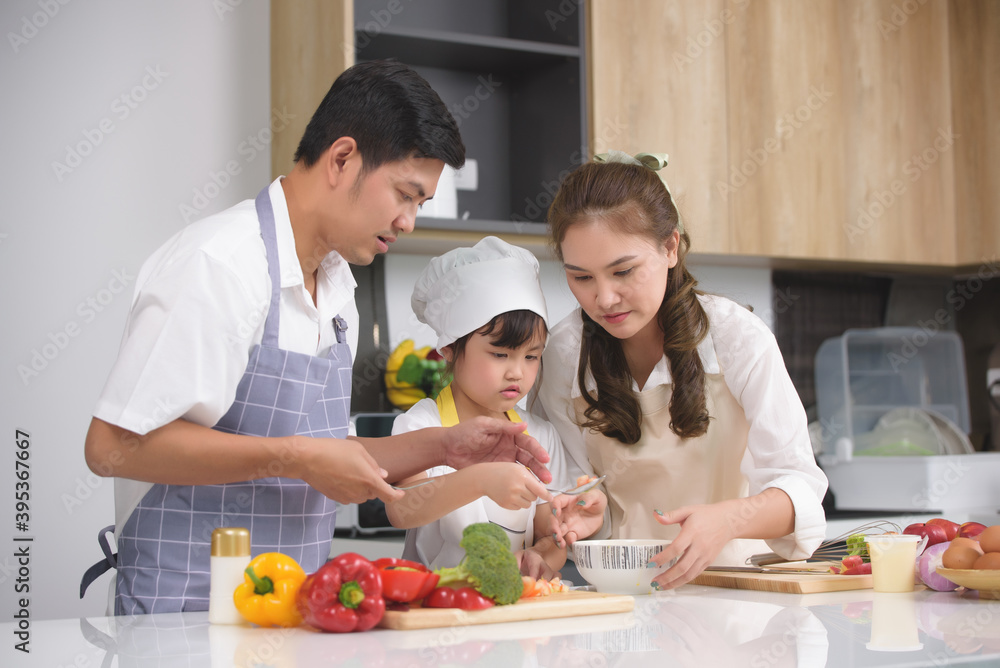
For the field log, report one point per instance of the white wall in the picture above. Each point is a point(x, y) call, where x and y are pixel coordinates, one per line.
point(153, 98)
point(750, 286)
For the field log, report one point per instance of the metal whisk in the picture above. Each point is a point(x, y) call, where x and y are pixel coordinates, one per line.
point(834, 549)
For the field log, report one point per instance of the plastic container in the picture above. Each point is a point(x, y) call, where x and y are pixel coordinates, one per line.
point(910, 484)
point(865, 373)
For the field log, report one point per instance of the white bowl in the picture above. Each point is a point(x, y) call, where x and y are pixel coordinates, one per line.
point(619, 566)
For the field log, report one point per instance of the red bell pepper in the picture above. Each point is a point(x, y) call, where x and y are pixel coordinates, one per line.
point(464, 598)
point(405, 581)
point(344, 595)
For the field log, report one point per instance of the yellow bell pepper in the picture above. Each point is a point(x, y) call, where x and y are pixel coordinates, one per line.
point(403, 395)
point(267, 595)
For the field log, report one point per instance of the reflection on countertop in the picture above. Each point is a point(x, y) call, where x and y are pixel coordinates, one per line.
point(692, 626)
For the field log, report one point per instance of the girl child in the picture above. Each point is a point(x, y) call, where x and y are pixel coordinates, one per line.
point(486, 305)
point(681, 398)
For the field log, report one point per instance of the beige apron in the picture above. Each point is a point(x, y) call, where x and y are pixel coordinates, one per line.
point(664, 472)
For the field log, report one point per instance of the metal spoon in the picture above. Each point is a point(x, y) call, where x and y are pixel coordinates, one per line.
point(580, 489)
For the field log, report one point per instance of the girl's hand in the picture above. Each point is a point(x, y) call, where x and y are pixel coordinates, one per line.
point(576, 517)
point(510, 485)
point(532, 563)
point(705, 530)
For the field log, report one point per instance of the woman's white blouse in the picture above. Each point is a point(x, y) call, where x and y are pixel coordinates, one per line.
point(741, 347)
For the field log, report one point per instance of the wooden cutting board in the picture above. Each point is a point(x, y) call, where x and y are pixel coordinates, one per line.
point(566, 604)
point(787, 583)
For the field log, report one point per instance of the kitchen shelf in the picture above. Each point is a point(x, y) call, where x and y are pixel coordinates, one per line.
point(460, 51)
point(513, 74)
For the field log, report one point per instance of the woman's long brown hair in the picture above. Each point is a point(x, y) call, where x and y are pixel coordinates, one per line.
point(631, 199)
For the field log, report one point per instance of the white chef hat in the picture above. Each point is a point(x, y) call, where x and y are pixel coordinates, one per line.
point(462, 290)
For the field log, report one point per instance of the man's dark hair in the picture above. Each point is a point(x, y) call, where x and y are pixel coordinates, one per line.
point(390, 111)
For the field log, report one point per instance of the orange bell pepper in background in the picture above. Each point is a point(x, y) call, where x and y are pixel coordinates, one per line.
point(267, 595)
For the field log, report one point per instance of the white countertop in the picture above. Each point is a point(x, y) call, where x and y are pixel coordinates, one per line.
point(692, 626)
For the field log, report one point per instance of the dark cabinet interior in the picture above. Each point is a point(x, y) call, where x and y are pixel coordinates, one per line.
point(513, 75)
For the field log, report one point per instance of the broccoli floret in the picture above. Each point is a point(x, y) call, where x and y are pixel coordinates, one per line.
point(488, 566)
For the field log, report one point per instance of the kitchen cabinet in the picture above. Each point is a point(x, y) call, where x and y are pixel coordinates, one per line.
point(510, 71)
point(841, 131)
point(312, 41)
point(658, 84)
point(974, 45)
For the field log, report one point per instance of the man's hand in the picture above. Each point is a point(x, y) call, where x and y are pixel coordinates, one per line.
point(486, 439)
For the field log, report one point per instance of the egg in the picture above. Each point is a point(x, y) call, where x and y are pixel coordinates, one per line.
point(974, 544)
point(988, 562)
point(959, 556)
point(990, 539)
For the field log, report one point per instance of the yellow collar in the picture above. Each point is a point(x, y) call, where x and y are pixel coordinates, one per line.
point(449, 414)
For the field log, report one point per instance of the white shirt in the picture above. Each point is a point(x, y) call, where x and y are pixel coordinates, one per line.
point(197, 312)
point(436, 544)
point(741, 347)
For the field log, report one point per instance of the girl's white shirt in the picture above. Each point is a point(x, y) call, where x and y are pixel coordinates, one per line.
point(437, 544)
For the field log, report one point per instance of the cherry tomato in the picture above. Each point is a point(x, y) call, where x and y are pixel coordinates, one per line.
point(464, 598)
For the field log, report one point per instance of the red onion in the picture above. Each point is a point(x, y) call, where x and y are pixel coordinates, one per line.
point(927, 565)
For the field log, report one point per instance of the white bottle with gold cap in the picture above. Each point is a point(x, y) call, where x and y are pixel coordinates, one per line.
point(230, 557)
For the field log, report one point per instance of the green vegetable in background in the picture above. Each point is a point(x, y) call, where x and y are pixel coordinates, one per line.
point(489, 566)
point(427, 374)
point(856, 546)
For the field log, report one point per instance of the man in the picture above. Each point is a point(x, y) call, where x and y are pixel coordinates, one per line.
point(229, 402)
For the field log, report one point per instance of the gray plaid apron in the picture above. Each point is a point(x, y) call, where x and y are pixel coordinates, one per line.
point(164, 547)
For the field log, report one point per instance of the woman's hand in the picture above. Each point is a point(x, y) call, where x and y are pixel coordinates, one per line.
point(705, 530)
point(510, 485)
point(576, 517)
point(486, 439)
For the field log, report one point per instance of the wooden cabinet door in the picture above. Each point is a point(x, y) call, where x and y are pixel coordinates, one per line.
point(817, 130)
point(657, 84)
point(974, 41)
point(857, 95)
point(312, 42)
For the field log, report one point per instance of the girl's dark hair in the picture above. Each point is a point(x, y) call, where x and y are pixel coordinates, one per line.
point(508, 330)
point(631, 199)
point(390, 111)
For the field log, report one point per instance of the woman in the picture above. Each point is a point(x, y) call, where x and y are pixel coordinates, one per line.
point(680, 398)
